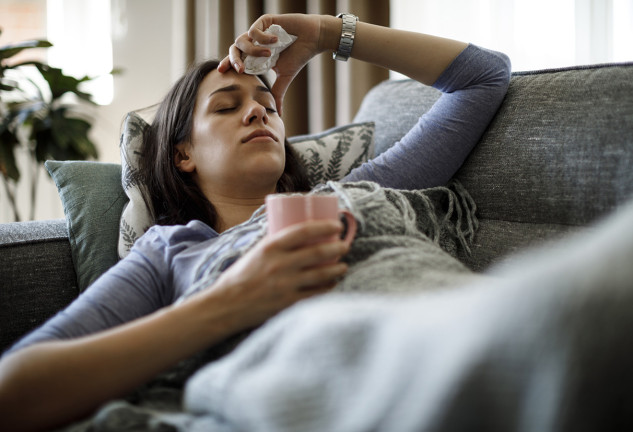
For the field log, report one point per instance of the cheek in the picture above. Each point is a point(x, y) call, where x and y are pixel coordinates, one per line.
point(208, 140)
point(280, 128)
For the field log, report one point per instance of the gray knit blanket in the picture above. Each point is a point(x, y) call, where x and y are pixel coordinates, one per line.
point(413, 341)
point(406, 243)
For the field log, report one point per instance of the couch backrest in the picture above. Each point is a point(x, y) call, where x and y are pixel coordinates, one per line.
point(558, 154)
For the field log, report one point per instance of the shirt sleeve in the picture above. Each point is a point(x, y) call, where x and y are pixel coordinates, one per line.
point(136, 286)
point(472, 87)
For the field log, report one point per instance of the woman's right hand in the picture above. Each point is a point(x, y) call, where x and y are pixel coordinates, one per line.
point(315, 34)
point(282, 269)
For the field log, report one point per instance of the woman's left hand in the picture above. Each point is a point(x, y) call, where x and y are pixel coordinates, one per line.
point(310, 41)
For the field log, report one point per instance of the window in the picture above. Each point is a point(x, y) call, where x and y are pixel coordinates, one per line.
point(80, 33)
point(536, 34)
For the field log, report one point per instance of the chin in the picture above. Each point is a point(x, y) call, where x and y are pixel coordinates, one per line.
point(265, 175)
point(268, 165)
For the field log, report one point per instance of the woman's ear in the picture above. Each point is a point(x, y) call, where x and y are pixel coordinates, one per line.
point(182, 158)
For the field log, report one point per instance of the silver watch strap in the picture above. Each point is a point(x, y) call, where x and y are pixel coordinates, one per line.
point(348, 32)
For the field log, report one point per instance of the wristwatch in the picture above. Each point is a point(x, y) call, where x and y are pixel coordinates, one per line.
point(347, 37)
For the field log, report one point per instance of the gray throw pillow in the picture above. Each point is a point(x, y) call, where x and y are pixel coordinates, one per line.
point(92, 199)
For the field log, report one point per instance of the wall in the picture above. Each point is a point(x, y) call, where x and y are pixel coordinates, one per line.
point(148, 44)
point(145, 45)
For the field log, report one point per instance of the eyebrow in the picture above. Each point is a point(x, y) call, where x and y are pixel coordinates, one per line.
point(235, 87)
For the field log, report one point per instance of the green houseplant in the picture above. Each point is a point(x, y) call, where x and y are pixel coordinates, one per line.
point(40, 115)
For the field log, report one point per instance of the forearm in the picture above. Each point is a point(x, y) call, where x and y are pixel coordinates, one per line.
point(434, 149)
point(51, 383)
point(419, 56)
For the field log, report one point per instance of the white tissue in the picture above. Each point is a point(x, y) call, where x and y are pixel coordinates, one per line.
point(259, 65)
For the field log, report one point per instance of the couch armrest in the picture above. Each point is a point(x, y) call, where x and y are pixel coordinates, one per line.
point(37, 274)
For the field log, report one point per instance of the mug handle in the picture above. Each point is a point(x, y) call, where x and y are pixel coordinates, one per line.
point(350, 222)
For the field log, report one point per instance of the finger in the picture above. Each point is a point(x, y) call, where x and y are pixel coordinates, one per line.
point(322, 278)
point(225, 64)
point(246, 47)
point(235, 58)
point(300, 234)
point(317, 255)
point(258, 28)
point(261, 36)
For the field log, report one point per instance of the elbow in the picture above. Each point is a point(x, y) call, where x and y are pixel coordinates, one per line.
point(505, 70)
point(501, 71)
point(499, 80)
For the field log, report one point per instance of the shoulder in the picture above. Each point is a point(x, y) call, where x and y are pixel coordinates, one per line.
point(174, 237)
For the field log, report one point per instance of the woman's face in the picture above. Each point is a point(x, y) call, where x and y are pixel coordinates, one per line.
point(237, 144)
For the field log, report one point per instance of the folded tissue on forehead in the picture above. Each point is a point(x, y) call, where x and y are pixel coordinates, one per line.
point(259, 65)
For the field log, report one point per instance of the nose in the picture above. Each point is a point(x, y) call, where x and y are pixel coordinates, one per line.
point(254, 112)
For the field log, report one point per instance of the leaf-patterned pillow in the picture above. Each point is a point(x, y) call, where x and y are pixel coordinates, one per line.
point(136, 217)
point(329, 155)
point(332, 154)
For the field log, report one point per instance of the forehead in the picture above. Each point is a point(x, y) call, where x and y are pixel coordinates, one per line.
point(216, 80)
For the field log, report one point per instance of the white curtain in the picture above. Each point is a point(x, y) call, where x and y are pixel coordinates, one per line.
point(536, 34)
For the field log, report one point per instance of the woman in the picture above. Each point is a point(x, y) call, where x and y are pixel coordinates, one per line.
point(218, 146)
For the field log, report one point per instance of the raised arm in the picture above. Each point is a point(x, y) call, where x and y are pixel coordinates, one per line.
point(382, 46)
point(473, 80)
point(473, 87)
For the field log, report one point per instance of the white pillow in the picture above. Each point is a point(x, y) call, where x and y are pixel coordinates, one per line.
point(328, 155)
point(136, 217)
point(332, 154)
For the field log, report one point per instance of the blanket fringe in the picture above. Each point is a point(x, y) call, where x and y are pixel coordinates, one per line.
point(457, 218)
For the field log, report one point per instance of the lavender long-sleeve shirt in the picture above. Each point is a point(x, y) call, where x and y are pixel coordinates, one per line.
point(162, 264)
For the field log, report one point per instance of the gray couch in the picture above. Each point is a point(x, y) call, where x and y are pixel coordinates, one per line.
point(557, 157)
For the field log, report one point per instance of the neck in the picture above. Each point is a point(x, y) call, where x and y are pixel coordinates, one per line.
point(234, 211)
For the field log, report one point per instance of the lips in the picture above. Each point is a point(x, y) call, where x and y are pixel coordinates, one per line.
point(260, 133)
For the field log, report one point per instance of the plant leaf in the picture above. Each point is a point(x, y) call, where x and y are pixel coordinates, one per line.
point(60, 83)
point(8, 142)
point(7, 51)
point(71, 136)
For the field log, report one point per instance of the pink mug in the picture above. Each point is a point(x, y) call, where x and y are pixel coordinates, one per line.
point(283, 210)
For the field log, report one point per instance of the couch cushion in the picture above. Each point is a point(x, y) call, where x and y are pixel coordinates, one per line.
point(395, 107)
point(36, 266)
point(560, 149)
point(558, 153)
point(498, 238)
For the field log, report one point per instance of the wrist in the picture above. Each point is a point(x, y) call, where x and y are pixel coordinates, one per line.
point(330, 33)
point(212, 314)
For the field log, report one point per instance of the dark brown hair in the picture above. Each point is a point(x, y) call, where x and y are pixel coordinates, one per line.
point(174, 196)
